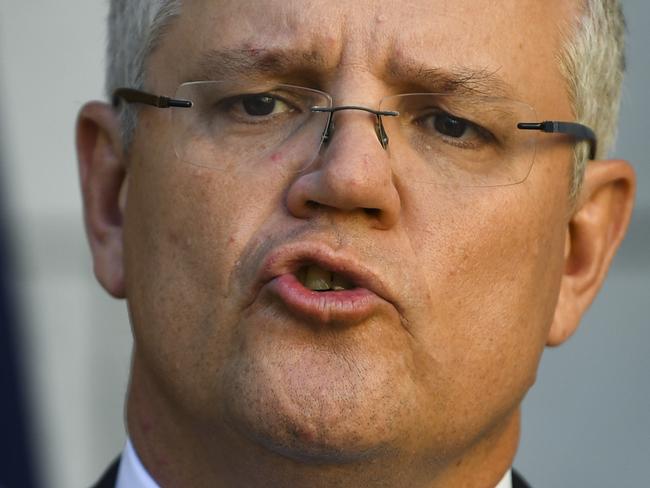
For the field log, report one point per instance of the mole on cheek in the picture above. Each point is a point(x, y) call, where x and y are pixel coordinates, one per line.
point(173, 237)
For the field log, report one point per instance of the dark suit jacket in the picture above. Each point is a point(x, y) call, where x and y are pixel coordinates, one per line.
point(109, 478)
point(518, 481)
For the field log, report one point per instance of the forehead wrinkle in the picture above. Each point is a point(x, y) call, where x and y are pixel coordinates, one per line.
point(252, 62)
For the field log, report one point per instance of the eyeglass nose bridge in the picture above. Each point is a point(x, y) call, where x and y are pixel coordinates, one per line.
point(379, 126)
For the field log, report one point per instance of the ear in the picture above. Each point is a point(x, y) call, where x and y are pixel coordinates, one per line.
point(103, 177)
point(593, 234)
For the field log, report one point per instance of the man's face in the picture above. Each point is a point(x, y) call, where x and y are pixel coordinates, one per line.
point(457, 289)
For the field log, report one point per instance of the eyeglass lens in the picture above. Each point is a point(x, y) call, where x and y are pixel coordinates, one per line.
point(439, 139)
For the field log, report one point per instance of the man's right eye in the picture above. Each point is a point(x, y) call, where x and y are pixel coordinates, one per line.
point(262, 105)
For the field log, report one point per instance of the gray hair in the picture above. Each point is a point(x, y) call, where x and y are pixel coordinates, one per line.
point(135, 28)
point(592, 61)
point(593, 64)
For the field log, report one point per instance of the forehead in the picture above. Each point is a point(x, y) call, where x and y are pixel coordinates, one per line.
point(516, 42)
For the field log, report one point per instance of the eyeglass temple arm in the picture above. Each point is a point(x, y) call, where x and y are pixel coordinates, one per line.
point(130, 95)
point(578, 131)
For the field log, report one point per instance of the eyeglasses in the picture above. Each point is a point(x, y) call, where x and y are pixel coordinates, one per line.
point(443, 139)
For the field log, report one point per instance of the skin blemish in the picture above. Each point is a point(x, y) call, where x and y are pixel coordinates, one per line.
point(305, 435)
point(276, 157)
point(330, 44)
point(146, 425)
point(174, 237)
point(252, 50)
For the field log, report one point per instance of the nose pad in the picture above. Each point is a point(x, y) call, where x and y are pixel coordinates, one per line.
point(380, 131)
point(329, 129)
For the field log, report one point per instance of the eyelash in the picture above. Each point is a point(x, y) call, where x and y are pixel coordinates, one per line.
point(480, 132)
point(228, 104)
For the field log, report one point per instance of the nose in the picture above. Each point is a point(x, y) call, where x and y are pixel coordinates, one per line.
point(352, 176)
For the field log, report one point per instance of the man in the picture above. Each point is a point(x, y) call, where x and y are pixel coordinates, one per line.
point(343, 232)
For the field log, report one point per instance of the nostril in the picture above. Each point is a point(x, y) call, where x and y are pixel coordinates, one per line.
point(312, 204)
point(372, 212)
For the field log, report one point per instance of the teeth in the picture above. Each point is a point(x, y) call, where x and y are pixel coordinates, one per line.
point(317, 279)
point(339, 283)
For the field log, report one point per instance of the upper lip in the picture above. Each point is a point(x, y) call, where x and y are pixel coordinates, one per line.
point(290, 258)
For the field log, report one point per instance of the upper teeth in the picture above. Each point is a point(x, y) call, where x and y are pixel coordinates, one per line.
point(318, 279)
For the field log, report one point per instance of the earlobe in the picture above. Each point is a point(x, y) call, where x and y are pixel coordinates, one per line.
point(594, 233)
point(103, 178)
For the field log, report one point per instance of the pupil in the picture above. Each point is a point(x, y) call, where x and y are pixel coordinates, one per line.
point(450, 126)
point(259, 104)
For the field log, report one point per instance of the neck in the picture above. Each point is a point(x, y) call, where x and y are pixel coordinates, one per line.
point(178, 450)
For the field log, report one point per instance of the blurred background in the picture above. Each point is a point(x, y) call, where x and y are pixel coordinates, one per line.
point(65, 345)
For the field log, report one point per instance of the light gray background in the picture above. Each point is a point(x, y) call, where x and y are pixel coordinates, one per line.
point(586, 422)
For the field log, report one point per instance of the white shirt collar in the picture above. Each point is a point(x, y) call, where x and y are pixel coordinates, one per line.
point(132, 473)
point(506, 482)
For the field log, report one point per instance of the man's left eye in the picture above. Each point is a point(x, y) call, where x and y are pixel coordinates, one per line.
point(454, 130)
point(263, 105)
point(450, 126)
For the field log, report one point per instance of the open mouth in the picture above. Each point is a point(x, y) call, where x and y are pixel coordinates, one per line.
point(319, 286)
point(317, 278)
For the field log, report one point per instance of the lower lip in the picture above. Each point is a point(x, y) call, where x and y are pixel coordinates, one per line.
point(347, 306)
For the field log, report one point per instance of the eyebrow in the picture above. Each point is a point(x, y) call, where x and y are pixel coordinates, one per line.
point(256, 63)
point(459, 80)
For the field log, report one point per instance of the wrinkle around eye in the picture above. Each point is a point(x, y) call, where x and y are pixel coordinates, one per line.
point(473, 136)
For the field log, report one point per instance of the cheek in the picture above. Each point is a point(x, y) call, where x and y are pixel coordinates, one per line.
point(185, 231)
point(493, 269)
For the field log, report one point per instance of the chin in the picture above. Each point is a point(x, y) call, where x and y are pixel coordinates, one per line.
point(309, 446)
point(313, 413)
point(324, 396)
point(298, 447)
